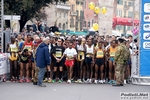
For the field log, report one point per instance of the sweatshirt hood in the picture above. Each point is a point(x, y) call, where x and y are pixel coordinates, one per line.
point(42, 45)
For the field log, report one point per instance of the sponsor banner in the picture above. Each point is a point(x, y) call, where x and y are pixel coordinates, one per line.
point(145, 39)
point(4, 64)
point(146, 36)
point(147, 18)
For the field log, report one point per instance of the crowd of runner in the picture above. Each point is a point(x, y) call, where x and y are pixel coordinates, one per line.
point(79, 59)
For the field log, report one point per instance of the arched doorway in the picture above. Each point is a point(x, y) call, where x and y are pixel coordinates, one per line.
point(59, 26)
point(63, 26)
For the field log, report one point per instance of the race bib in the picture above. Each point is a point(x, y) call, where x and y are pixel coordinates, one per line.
point(81, 56)
point(58, 54)
point(100, 54)
point(24, 58)
point(15, 49)
point(28, 47)
point(112, 54)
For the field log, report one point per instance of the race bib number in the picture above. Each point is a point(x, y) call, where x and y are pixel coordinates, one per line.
point(80, 55)
point(100, 54)
point(24, 58)
point(28, 47)
point(112, 54)
point(58, 54)
point(15, 49)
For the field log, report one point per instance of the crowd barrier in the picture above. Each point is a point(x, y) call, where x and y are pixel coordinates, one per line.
point(137, 79)
point(4, 63)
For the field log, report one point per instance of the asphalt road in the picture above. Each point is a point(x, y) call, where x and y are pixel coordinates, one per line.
point(64, 91)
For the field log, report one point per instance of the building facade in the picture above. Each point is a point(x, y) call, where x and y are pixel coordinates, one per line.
point(80, 14)
point(72, 15)
point(89, 16)
point(58, 15)
point(124, 9)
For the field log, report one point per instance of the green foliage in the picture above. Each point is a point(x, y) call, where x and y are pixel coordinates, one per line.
point(27, 9)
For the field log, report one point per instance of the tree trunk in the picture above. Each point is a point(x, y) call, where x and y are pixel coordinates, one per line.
point(22, 24)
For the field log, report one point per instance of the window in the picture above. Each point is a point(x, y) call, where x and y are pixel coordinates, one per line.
point(64, 15)
point(130, 14)
point(76, 25)
point(81, 26)
point(130, 4)
point(92, 21)
point(88, 24)
point(128, 28)
point(119, 13)
point(73, 8)
point(77, 2)
point(55, 14)
point(71, 22)
point(84, 23)
point(60, 14)
point(120, 2)
point(81, 3)
point(118, 27)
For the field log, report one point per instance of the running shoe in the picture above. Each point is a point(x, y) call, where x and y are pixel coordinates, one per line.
point(45, 80)
point(49, 80)
point(96, 81)
point(13, 79)
point(27, 80)
point(87, 81)
point(90, 81)
point(69, 81)
point(21, 81)
point(125, 82)
point(104, 81)
point(80, 81)
point(32, 79)
point(110, 82)
point(114, 82)
point(60, 81)
point(53, 81)
point(84, 81)
point(101, 81)
point(72, 80)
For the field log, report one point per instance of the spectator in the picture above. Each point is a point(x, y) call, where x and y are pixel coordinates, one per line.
point(42, 60)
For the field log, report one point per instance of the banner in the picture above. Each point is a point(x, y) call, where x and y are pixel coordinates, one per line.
point(4, 64)
point(145, 38)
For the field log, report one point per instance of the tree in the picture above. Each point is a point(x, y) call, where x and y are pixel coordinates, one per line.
point(27, 9)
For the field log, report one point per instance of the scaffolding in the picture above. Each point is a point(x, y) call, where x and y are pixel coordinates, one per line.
point(2, 26)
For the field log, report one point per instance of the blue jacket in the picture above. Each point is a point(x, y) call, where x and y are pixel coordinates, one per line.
point(42, 57)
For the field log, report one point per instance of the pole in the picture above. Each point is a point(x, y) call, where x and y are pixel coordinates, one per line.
point(2, 25)
point(124, 29)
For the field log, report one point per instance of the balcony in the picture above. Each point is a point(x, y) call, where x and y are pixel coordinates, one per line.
point(64, 7)
point(73, 13)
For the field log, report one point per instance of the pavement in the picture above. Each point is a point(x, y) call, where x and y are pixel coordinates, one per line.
point(64, 91)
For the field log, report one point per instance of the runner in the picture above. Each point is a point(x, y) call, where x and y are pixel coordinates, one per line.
point(80, 58)
point(70, 53)
point(59, 60)
point(24, 63)
point(111, 53)
point(99, 64)
point(13, 48)
point(89, 60)
point(28, 44)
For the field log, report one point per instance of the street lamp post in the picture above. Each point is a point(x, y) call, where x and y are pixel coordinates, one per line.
point(126, 7)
